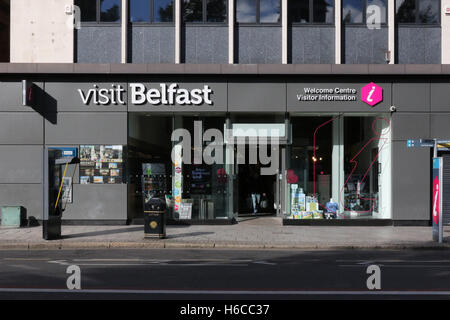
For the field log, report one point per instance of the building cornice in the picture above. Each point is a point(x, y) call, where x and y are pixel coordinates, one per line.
point(225, 69)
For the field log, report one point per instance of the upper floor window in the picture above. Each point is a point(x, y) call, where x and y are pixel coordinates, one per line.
point(205, 11)
point(99, 10)
point(417, 11)
point(151, 11)
point(355, 11)
point(311, 11)
point(258, 11)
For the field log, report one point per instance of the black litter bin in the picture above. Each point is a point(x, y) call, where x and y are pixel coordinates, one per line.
point(154, 224)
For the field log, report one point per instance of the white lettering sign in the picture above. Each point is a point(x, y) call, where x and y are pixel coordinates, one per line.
point(164, 94)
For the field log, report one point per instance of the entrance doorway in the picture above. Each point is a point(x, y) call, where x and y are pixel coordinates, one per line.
point(256, 191)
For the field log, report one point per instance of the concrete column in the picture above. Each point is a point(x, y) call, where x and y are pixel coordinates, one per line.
point(41, 32)
point(391, 28)
point(445, 33)
point(338, 30)
point(177, 31)
point(284, 31)
point(124, 35)
point(231, 19)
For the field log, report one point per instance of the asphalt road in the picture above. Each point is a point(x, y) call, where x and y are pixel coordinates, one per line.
point(224, 274)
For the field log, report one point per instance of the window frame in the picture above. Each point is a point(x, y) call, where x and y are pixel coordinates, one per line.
point(98, 16)
point(258, 16)
point(152, 16)
point(205, 15)
point(311, 14)
point(364, 15)
point(417, 17)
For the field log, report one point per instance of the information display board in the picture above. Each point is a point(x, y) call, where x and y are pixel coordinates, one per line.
point(101, 164)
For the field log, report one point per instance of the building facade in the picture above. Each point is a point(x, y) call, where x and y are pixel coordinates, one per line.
point(321, 95)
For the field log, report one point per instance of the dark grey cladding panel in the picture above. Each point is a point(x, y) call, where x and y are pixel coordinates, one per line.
point(440, 96)
point(218, 96)
point(256, 97)
point(419, 45)
point(28, 196)
point(99, 44)
point(21, 128)
point(206, 44)
point(440, 123)
point(152, 44)
point(87, 128)
point(259, 44)
point(411, 186)
point(412, 96)
point(410, 126)
point(295, 105)
point(102, 202)
point(65, 96)
point(20, 164)
point(312, 45)
point(362, 45)
point(11, 96)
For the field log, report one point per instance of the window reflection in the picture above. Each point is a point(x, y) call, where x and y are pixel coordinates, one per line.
point(352, 11)
point(406, 11)
point(193, 10)
point(216, 10)
point(88, 10)
point(110, 10)
point(429, 11)
point(299, 11)
point(139, 10)
point(323, 11)
point(246, 11)
point(269, 11)
point(163, 10)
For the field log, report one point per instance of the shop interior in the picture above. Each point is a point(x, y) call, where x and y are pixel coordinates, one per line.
point(336, 167)
point(333, 169)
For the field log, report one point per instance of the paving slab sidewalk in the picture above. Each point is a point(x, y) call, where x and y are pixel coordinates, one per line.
point(252, 234)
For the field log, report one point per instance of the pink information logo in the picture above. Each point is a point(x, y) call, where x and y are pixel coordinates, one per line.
point(372, 94)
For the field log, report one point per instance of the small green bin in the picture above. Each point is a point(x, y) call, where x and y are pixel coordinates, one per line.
point(13, 216)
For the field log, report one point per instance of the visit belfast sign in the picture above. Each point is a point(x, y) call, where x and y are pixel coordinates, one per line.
point(161, 94)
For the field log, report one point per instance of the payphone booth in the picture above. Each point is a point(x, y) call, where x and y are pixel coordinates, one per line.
point(56, 162)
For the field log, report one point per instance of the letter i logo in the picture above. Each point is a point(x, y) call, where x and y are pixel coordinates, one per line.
point(372, 94)
point(369, 97)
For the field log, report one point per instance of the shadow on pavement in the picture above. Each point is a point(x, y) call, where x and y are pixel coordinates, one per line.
point(128, 230)
point(103, 232)
point(191, 234)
